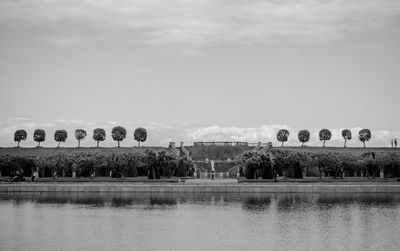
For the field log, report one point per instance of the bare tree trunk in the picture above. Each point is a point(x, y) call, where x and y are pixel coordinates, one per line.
point(18, 144)
point(323, 144)
point(79, 143)
point(118, 143)
point(38, 144)
point(302, 144)
point(345, 143)
point(97, 144)
point(139, 143)
point(58, 144)
point(282, 144)
point(364, 143)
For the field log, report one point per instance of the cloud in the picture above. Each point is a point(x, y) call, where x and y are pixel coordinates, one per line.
point(65, 42)
point(193, 24)
point(160, 134)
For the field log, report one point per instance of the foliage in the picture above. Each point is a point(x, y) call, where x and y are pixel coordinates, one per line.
point(99, 134)
point(282, 135)
point(256, 164)
point(10, 164)
point(327, 162)
point(288, 163)
point(304, 136)
point(20, 135)
point(150, 159)
point(118, 134)
point(185, 167)
point(291, 164)
point(117, 164)
point(364, 135)
point(167, 163)
point(140, 135)
point(80, 134)
point(39, 136)
point(346, 134)
point(60, 136)
point(325, 135)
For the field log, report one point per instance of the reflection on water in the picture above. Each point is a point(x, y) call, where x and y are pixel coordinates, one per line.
point(256, 201)
point(195, 221)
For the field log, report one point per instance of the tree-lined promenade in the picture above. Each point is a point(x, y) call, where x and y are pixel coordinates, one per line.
point(118, 134)
point(325, 135)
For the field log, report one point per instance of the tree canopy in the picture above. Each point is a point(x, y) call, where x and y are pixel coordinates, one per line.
point(118, 134)
point(282, 135)
point(304, 136)
point(39, 136)
point(325, 135)
point(99, 134)
point(364, 135)
point(346, 134)
point(80, 134)
point(140, 135)
point(60, 136)
point(20, 135)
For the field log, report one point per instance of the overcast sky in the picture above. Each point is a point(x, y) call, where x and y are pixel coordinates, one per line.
point(193, 70)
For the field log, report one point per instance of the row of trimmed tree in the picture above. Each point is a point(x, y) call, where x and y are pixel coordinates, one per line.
point(324, 135)
point(118, 134)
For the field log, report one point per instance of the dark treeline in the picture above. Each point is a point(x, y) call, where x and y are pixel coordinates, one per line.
point(149, 163)
point(292, 164)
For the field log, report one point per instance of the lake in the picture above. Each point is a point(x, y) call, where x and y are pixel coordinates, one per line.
point(124, 221)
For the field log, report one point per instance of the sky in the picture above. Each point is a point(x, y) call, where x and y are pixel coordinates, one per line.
point(200, 70)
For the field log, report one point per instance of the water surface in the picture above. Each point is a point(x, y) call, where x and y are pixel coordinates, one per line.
point(104, 221)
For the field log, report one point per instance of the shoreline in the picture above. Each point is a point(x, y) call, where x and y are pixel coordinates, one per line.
point(209, 187)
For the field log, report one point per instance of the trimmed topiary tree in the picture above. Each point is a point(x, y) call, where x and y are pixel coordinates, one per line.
point(20, 135)
point(118, 134)
point(39, 136)
point(99, 134)
point(140, 135)
point(304, 136)
point(80, 134)
point(324, 135)
point(60, 136)
point(346, 134)
point(364, 135)
point(282, 135)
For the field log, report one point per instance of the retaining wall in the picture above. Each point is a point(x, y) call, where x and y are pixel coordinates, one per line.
point(201, 188)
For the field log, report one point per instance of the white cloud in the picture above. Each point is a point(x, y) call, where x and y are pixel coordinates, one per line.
point(193, 24)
